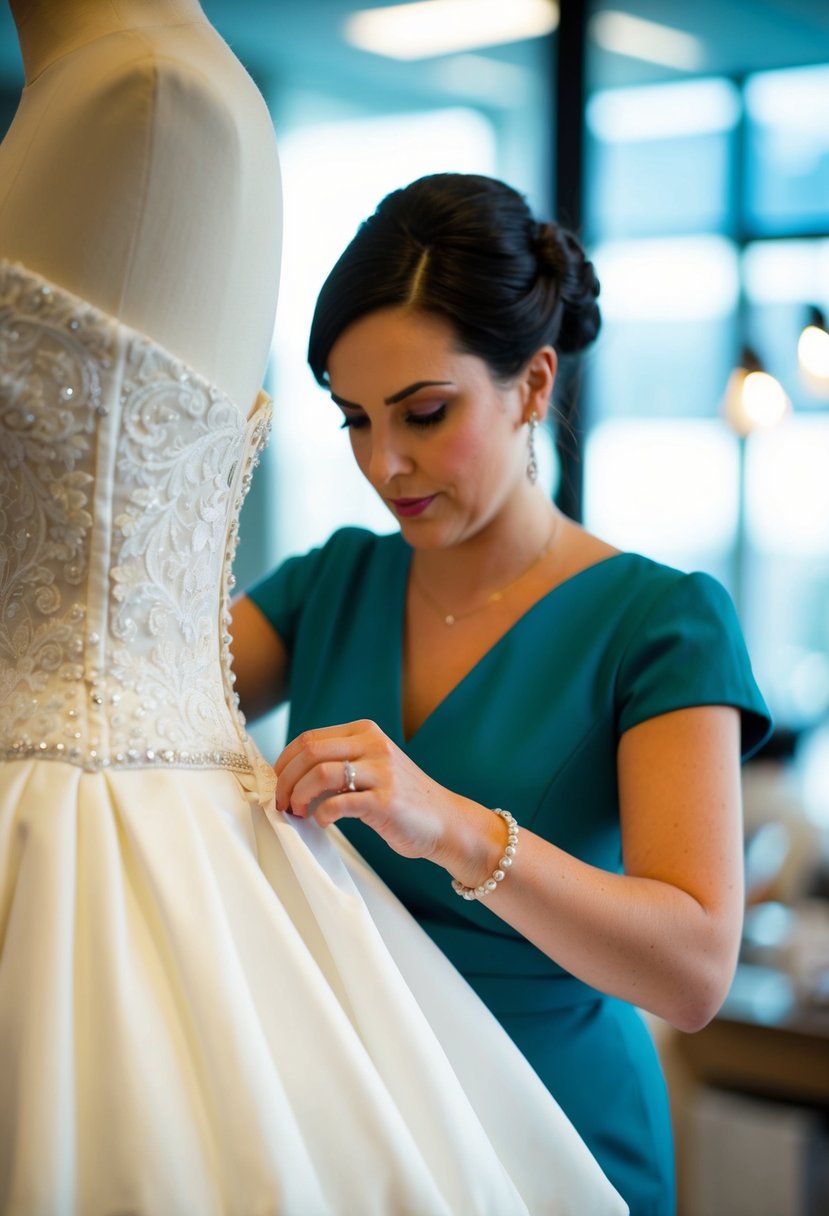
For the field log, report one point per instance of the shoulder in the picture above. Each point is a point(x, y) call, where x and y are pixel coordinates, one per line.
point(622, 583)
point(351, 559)
point(652, 606)
point(650, 593)
point(170, 101)
point(681, 644)
point(144, 85)
point(354, 546)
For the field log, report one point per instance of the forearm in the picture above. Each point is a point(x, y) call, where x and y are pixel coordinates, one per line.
point(640, 939)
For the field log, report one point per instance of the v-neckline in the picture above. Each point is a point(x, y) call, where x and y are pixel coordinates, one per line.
point(400, 616)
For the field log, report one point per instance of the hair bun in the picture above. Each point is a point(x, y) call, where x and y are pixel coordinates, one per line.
point(467, 249)
point(560, 254)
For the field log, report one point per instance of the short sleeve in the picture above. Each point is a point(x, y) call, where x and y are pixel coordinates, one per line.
point(281, 595)
point(687, 649)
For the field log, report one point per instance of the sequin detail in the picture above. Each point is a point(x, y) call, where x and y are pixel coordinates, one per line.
point(122, 475)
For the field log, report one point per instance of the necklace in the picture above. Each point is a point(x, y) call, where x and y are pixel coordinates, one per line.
point(450, 618)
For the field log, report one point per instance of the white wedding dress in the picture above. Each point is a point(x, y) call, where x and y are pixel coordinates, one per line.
point(199, 1011)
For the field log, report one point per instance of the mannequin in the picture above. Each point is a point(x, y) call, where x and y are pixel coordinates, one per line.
point(141, 169)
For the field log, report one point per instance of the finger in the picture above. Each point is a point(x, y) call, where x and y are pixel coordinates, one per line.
point(343, 806)
point(340, 743)
point(316, 751)
point(324, 781)
point(310, 740)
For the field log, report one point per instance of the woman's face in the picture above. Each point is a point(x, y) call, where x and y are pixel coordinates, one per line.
point(443, 445)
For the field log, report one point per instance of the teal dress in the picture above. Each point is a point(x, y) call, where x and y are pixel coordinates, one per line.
point(534, 727)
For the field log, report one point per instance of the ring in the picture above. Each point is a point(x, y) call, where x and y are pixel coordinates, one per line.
point(350, 777)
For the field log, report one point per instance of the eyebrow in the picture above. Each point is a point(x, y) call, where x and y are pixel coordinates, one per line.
point(395, 397)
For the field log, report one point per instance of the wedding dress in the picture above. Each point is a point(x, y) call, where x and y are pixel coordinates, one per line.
point(199, 1008)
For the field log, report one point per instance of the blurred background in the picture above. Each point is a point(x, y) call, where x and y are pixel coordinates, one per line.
point(688, 145)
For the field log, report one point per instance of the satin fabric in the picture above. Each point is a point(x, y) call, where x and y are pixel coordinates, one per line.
point(199, 1013)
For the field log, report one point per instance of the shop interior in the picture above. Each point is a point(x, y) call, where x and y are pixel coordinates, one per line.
point(688, 144)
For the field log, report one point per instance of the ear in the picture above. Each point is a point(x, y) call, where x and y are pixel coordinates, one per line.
point(537, 381)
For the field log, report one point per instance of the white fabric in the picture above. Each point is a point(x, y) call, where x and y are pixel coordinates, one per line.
point(199, 1008)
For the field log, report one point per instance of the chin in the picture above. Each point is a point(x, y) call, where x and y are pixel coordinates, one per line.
point(423, 534)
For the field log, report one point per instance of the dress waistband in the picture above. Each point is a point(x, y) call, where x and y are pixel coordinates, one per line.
point(507, 995)
point(93, 760)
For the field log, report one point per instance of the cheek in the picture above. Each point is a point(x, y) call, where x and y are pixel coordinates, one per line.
point(360, 449)
point(478, 457)
point(465, 451)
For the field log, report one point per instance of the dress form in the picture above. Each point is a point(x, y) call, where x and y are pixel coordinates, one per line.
point(140, 173)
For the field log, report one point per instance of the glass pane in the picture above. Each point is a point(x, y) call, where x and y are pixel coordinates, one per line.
point(659, 158)
point(787, 490)
point(667, 345)
point(666, 489)
point(787, 524)
point(783, 280)
point(787, 162)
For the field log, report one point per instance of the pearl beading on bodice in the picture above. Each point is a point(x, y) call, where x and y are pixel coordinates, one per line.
point(122, 475)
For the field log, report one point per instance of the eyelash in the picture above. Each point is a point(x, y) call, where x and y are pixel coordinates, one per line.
point(360, 421)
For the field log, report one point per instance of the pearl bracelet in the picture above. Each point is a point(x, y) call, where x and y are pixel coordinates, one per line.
point(500, 871)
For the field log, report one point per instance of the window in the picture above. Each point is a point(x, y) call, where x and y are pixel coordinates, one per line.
point(787, 161)
point(660, 159)
point(693, 268)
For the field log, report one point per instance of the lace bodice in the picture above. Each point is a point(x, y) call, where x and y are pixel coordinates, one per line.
point(122, 474)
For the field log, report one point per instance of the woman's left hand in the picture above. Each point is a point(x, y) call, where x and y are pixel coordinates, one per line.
point(414, 815)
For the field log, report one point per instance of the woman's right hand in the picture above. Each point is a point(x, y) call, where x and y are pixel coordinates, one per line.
point(413, 814)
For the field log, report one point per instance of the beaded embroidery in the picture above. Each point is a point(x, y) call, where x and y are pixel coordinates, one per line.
point(122, 475)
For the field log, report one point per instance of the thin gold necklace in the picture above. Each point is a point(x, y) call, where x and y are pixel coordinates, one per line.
point(450, 618)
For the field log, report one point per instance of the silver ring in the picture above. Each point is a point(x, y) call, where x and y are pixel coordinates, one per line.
point(350, 777)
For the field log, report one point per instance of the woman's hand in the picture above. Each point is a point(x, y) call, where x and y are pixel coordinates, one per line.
point(414, 815)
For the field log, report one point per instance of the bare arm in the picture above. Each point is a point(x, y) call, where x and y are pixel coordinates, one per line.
point(260, 660)
point(665, 934)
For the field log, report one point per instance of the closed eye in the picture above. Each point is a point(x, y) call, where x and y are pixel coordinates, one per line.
point(354, 420)
point(358, 421)
point(429, 419)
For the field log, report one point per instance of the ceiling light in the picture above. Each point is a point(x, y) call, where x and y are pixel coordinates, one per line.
point(638, 39)
point(754, 400)
point(442, 27)
point(813, 352)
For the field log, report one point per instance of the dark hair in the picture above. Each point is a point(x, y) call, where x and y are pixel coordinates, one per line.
point(467, 248)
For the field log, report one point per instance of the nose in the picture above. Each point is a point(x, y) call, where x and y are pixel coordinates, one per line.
point(387, 457)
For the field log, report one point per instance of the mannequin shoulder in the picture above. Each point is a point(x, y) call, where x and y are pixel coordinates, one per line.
point(121, 128)
point(193, 94)
point(143, 92)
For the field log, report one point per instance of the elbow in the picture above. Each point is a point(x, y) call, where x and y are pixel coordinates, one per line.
point(704, 972)
point(700, 996)
point(695, 1017)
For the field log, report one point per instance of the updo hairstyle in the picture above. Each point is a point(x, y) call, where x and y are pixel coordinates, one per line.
point(466, 248)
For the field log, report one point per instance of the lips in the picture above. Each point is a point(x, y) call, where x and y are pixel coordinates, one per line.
point(411, 506)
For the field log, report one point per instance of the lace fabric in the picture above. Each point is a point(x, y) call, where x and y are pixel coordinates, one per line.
point(122, 475)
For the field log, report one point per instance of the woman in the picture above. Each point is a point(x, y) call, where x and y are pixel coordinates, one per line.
point(494, 655)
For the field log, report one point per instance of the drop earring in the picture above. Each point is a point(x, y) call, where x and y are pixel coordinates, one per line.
point(532, 462)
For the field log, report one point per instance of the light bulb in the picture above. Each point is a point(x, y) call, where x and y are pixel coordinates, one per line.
point(813, 356)
point(754, 401)
point(764, 400)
